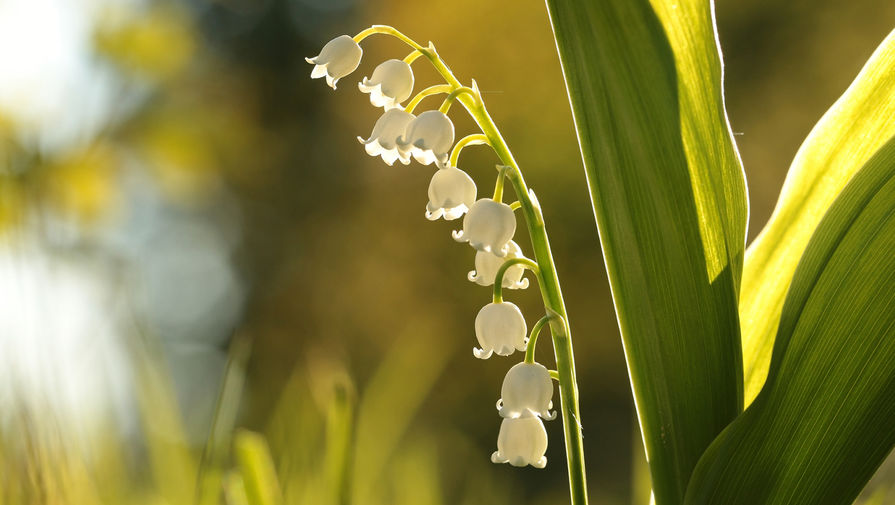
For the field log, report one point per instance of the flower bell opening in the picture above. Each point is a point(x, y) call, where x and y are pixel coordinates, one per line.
point(527, 391)
point(488, 226)
point(451, 193)
point(521, 441)
point(500, 329)
point(391, 84)
point(338, 58)
point(429, 138)
point(383, 140)
point(487, 264)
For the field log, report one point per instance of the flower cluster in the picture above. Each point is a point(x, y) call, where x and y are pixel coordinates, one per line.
point(488, 227)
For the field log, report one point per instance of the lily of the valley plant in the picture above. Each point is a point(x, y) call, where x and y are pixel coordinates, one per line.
point(760, 375)
point(404, 133)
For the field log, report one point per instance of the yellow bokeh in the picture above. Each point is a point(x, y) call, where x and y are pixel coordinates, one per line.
point(83, 184)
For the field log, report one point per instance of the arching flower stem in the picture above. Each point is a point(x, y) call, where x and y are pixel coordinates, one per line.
point(446, 105)
point(387, 30)
point(498, 185)
point(554, 375)
point(498, 277)
point(549, 281)
point(469, 140)
point(516, 205)
point(533, 338)
point(410, 58)
point(431, 90)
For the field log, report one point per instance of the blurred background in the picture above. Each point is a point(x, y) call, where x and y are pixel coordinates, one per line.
point(203, 274)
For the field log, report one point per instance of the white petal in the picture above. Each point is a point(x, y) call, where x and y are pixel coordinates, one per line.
point(481, 353)
point(338, 58)
point(330, 81)
point(487, 265)
point(392, 83)
point(449, 191)
point(429, 137)
point(489, 226)
point(452, 213)
point(521, 441)
point(318, 71)
point(527, 390)
point(387, 129)
point(500, 327)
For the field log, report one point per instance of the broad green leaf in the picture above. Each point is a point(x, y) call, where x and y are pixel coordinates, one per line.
point(644, 80)
point(826, 416)
point(854, 128)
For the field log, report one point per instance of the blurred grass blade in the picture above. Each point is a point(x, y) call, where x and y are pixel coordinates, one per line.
point(389, 402)
point(211, 468)
point(259, 477)
point(854, 128)
point(826, 417)
point(644, 79)
point(173, 466)
point(339, 429)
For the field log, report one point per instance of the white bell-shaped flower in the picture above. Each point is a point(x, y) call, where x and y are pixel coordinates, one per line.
point(383, 140)
point(521, 441)
point(487, 264)
point(500, 328)
point(527, 391)
point(488, 226)
point(429, 138)
point(391, 84)
point(338, 58)
point(451, 193)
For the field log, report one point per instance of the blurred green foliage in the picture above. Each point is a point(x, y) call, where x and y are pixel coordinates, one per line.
point(359, 386)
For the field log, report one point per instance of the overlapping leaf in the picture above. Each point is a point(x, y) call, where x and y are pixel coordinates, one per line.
point(644, 79)
point(826, 417)
point(854, 128)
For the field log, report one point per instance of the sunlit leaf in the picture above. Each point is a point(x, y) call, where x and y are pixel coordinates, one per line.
point(256, 467)
point(854, 128)
point(826, 417)
point(668, 192)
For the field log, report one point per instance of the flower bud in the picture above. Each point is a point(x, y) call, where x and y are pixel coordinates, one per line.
point(391, 84)
point(527, 391)
point(500, 328)
point(429, 138)
point(383, 140)
point(488, 226)
point(338, 58)
point(521, 441)
point(451, 193)
point(487, 265)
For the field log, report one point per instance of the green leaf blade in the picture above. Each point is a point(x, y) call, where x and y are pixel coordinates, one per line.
point(826, 417)
point(667, 187)
point(854, 128)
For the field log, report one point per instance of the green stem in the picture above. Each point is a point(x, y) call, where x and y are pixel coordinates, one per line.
point(533, 338)
point(446, 105)
point(498, 277)
point(498, 185)
point(516, 205)
point(410, 58)
point(550, 292)
point(469, 140)
point(431, 90)
point(549, 282)
point(387, 30)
